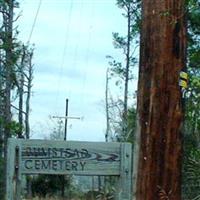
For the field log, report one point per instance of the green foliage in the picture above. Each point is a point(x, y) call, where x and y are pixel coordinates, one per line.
point(191, 161)
point(192, 166)
point(121, 71)
point(135, 11)
point(6, 2)
point(2, 178)
point(131, 124)
point(106, 193)
point(123, 3)
point(119, 42)
point(191, 170)
point(13, 126)
point(48, 184)
point(192, 113)
point(11, 53)
point(118, 134)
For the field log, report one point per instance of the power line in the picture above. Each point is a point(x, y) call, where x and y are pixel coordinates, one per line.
point(88, 50)
point(34, 22)
point(64, 52)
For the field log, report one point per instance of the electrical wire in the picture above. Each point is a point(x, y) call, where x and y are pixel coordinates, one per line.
point(34, 22)
point(77, 45)
point(88, 51)
point(63, 55)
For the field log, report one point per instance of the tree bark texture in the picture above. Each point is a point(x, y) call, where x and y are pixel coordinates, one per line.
point(8, 23)
point(29, 86)
point(162, 57)
point(8, 41)
point(107, 108)
point(127, 71)
point(21, 93)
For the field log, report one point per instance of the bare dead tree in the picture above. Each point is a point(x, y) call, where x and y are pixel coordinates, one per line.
point(29, 78)
point(21, 91)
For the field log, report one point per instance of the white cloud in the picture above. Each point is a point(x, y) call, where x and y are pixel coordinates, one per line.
point(72, 39)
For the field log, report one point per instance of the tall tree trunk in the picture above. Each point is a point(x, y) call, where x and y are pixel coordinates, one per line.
point(8, 22)
point(21, 93)
point(29, 78)
point(162, 57)
point(107, 107)
point(29, 86)
point(8, 26)
point(125, 123)
point(1, 106)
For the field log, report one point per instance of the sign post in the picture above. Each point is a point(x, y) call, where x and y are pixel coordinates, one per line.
point(61, 157)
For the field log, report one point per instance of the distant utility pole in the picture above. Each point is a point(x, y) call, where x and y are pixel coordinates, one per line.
point(107, 107)
point(66, 117)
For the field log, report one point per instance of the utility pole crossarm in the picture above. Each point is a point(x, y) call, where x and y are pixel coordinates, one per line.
point(66, 117)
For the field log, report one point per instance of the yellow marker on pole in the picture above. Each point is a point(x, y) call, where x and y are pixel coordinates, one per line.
point(183, 84)
point(183, 75)
point(183, 81)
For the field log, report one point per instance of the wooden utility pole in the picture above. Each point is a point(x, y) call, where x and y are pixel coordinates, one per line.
point(66, 115)
point(162, 57)
point(107, 107)
point(65, 138)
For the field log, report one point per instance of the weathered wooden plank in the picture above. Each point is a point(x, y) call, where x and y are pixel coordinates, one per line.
point(18, 176)
point(78, 158)
point(61, 157)
point(10, 172)
point(125, 181)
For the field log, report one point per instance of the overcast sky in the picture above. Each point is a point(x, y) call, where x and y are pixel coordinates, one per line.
point(72, 39)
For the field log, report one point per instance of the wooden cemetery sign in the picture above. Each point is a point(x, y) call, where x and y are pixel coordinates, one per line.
point(61, 157)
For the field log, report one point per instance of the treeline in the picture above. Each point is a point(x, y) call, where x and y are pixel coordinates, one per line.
point(16, 76)
point(121, 108)
point(191, 126)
